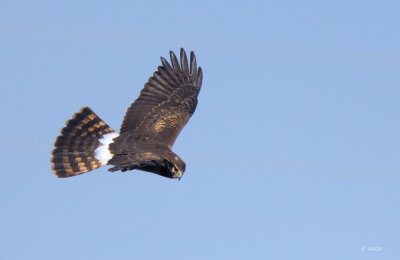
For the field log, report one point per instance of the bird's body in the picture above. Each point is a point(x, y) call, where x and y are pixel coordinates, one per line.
point(148, 132)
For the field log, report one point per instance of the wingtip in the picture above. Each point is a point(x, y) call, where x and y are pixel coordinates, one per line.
point(182, 51)
point(199, 77)
point(189, 67)
point(165, 63)
point(174, 60)
point(193, 64)
point(184, 61)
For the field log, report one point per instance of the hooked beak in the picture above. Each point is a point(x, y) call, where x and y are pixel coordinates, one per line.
point(180, 174)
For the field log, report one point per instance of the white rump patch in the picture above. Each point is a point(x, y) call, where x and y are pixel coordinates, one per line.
point(102, 153)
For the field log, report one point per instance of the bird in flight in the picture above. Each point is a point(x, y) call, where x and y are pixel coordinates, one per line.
point(148, 131)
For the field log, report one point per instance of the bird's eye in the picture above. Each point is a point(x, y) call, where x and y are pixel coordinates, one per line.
point(174, 169)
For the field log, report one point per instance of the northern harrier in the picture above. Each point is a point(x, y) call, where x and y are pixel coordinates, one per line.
point(148, 132)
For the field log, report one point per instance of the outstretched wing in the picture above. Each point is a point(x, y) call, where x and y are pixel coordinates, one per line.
point(166, 102)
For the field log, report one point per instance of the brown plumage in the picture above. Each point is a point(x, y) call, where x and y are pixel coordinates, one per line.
point(148, 132)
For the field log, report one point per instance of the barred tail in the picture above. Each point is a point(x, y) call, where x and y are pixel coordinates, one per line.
point(75, 149)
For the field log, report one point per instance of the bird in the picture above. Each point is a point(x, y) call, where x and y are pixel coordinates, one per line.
point(148, 131)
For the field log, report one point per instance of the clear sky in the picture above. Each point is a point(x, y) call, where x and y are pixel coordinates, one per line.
point(293, 152)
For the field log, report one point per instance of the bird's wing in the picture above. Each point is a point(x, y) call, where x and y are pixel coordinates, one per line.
point(166, 102)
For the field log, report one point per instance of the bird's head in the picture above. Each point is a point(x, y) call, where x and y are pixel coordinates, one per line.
point(176, 167)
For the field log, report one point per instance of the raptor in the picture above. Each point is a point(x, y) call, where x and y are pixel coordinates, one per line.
point(148, 131)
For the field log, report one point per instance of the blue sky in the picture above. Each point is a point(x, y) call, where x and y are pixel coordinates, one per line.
point(293, 152)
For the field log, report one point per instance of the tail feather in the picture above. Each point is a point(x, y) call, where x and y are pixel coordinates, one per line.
point(74, 151)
